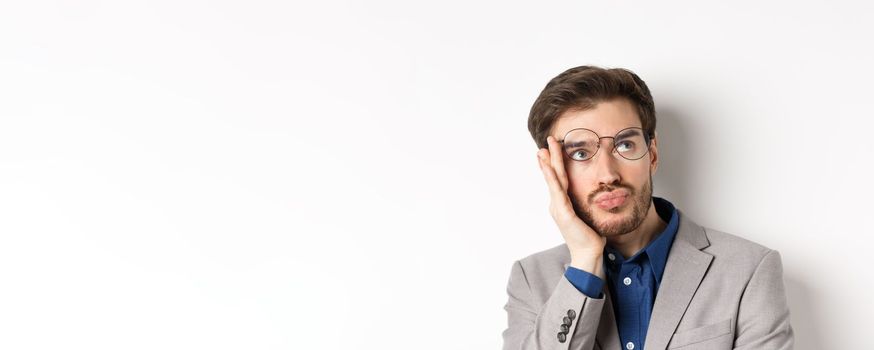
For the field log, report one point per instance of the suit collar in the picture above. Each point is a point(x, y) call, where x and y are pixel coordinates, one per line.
point(657, 250)
point(691, 232)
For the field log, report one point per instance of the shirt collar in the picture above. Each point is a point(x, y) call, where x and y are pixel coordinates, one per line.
point(656, 252)
point(658, 249)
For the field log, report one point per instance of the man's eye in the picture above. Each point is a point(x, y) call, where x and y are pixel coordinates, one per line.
point(625, 146)
point(579, 155)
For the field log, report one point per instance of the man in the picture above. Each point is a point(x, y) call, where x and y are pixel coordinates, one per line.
point(634, 271)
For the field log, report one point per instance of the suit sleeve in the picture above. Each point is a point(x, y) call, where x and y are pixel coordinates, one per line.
point(763, 314)
point(531, 326)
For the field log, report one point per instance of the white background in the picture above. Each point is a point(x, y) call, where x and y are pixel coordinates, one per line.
point(359, 175)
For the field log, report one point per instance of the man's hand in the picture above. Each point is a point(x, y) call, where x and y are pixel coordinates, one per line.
point(586, 246)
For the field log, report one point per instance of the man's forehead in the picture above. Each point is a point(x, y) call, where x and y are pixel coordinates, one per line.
point(605, 118)
point(601, 126)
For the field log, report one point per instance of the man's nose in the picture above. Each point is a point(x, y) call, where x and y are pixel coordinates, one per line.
point(606, 166)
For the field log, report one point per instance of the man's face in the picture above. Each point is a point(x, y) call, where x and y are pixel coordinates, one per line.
point(592, 182)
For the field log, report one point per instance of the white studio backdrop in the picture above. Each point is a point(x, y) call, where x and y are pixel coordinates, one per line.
point(359, 175)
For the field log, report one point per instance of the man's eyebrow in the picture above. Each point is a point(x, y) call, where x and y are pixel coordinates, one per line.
point(575, 144)
point(629, 133)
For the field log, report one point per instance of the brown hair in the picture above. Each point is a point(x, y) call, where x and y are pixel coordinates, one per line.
point(582, 88)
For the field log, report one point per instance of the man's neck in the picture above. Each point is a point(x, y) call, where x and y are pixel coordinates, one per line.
point(630, 243)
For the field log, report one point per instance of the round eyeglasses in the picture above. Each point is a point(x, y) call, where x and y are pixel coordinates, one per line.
point(581, 144)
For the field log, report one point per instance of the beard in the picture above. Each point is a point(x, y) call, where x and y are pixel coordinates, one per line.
point(638, 200)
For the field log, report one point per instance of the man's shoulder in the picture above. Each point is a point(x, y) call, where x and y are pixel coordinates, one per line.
point(735, 256)
point(554, 253)
point(726, 244)
point(732, 248)
point(551, 259)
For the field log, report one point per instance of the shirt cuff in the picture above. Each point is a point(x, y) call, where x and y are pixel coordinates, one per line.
point(585, 282)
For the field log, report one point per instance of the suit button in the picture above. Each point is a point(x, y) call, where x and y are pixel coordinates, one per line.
point(565, 328)
point(561, 338)
point(566, 320)
point(572, 314)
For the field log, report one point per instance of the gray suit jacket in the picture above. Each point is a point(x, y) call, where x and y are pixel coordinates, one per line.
point(718, 291)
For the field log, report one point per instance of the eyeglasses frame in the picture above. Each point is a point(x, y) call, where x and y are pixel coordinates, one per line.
point(645, 137)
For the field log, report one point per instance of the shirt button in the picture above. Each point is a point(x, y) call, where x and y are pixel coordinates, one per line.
point(611, 256)
point(629, 345)
point(627, 281)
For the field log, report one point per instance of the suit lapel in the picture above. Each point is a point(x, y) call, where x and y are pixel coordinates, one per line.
point(684, 270)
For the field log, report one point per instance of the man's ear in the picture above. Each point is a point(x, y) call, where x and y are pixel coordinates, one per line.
point(654, 153)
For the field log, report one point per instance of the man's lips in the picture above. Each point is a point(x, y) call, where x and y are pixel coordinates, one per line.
point(611, 200)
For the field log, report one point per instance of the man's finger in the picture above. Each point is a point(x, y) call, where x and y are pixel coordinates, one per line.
point(557, 160)
point(557, 194)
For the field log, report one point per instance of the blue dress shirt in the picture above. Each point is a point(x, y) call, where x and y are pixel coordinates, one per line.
point(633, 282)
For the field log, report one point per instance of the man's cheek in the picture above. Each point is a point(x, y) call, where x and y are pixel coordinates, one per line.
point(577, 194)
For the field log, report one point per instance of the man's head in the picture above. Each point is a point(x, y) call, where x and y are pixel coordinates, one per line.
point(604, 101)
